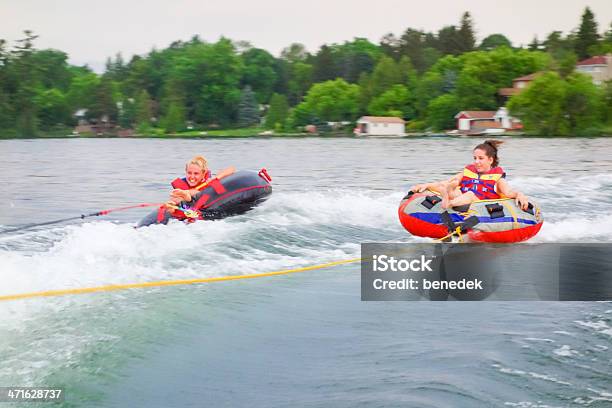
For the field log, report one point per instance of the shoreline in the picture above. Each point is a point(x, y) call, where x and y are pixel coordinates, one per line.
point(229, 135)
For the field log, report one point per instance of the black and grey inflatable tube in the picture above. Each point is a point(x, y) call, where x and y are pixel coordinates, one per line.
point(239, 193)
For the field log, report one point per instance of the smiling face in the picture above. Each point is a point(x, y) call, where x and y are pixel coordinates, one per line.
point(194, 175)
point(482, 162)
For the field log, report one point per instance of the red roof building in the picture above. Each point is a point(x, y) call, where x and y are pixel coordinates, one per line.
point(518, 84)
point(469, 121)
point(598, 67)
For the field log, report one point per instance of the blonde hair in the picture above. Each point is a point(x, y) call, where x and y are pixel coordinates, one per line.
point(199, 161)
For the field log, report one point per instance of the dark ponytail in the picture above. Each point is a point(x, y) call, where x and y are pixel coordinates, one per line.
point(490, 148)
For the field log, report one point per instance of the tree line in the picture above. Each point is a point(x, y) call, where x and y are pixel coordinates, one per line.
point(423, 77)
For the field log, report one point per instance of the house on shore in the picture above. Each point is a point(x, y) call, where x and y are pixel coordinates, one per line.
point(380, 126)
point(599, 68)
point(518, 85)
point(486, 122)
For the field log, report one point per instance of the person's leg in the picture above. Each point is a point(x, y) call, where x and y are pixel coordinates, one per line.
point(438, 187)
point(465, 198)
point(454, 192)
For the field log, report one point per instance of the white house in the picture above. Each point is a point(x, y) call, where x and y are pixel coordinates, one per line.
point(598, 67)
point(486, 121)
point(380, 126)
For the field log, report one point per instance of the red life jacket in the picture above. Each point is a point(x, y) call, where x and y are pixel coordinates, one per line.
point(181, 183)
point(481, 184)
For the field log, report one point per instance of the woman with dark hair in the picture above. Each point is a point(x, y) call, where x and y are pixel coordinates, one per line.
point(481, 180)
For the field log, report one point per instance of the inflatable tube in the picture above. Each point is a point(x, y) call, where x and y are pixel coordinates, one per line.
point(499, 221)
point(232, 195)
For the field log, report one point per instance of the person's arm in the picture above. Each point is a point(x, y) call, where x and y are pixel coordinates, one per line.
point(226, 172)
point(438, 185)
point(177, 195)
point(521, 199)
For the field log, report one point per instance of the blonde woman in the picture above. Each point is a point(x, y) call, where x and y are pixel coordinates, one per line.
point(197, 177)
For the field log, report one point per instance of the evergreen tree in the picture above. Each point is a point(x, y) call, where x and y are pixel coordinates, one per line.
point(144, 111)
point(324, 67)
point(248, 109)
point(587, 35)
point(174, 119)
point(296, 52)
point(27, 123)
point(390, 45)
point(608, 35)
point(534, 45)
point(386, 74)
point(449, 41)
point(104, 106)
point(407, 72)
point(556, 44)
point(466, 34)
point(412, 44)
point(127, 113)
point(278, 112)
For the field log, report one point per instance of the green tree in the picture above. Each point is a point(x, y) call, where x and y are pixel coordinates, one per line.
point(440, 79)
point(52, 69)
point(127, 113)
point(534, 45)
point(144, 109)
point(82, 90)
point(386, 74)
point(324, 65)
point(587, 35)
point(608, 34)
point(296, 52)
point(607, 102)
point(116, 69)
point(52, 108)
point(335, 100)
point(420, 47)
point(441, 112)
point(541, 106)
point(450, 41)
point(278, 112)
point(104, 106)
point(467, 38)
point(484, 73)
point(259, 73)
point(300, 81)
point(390, 45)
point(493, 41)
point(355, 57)
point(248, 109)
point(174, 118)
point(409, 76)
point(582, 104)
point(216, 74)
point(7, 116)
point(566, 63)
point(396, 101)
point(555, 44)
point(26, 82)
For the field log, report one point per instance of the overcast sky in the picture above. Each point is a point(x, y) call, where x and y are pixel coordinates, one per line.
point(91, 31)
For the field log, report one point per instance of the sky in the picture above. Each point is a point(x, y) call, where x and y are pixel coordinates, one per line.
point(92, 31)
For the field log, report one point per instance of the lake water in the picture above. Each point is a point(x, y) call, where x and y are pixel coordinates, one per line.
point(303, 339)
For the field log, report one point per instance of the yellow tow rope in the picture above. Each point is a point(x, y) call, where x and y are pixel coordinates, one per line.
point(108, 288)
point(457, 232)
